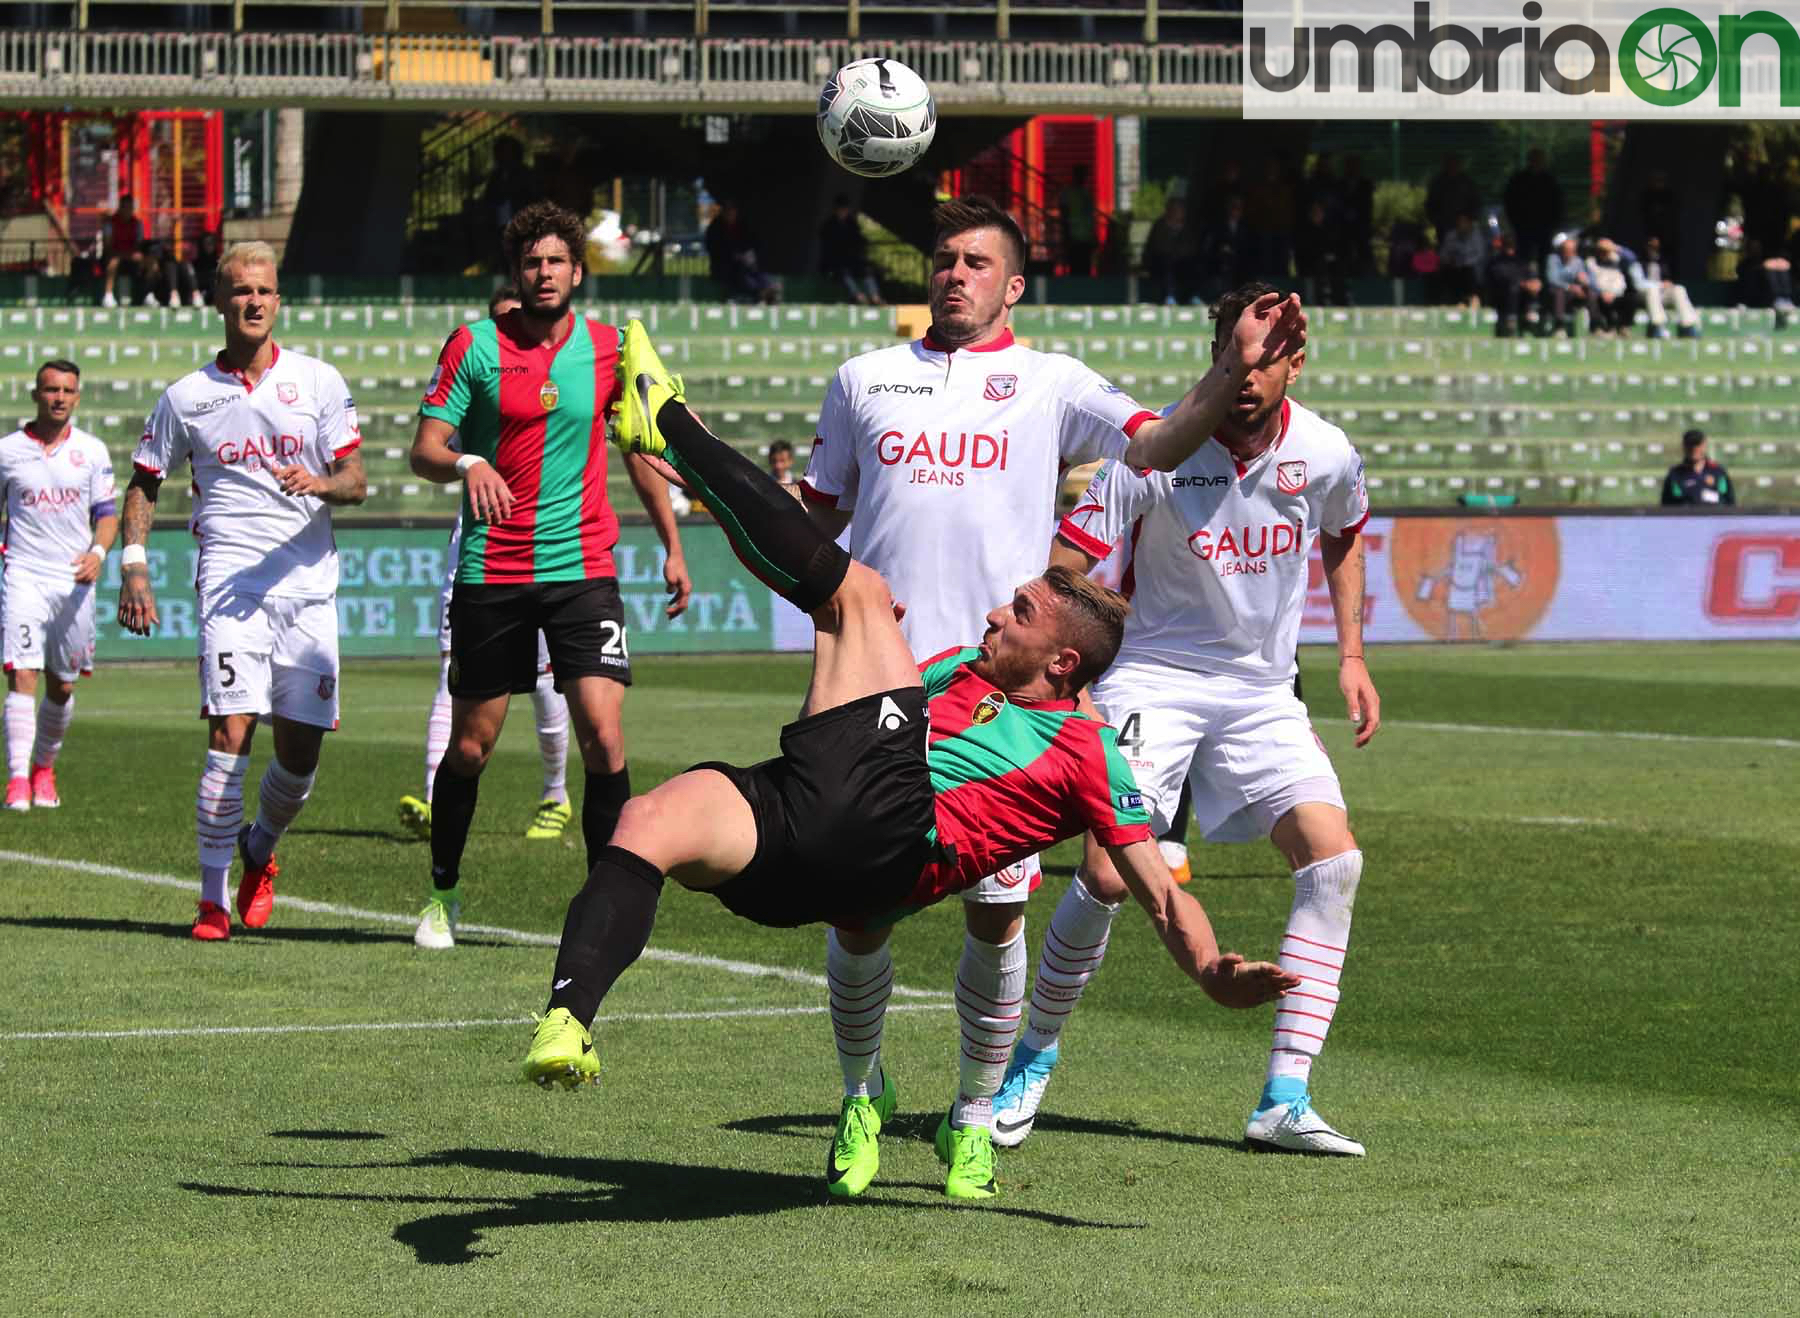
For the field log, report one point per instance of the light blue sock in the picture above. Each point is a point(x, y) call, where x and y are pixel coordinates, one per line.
point(1283, 1089)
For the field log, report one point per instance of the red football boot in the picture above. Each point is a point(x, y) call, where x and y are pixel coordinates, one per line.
point(213, 924)
point(256, 890)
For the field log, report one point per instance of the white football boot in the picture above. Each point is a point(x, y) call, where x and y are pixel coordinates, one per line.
point(1296, 1128)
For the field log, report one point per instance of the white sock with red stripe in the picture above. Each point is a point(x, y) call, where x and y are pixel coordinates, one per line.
point(21, 727)
point(990, 992)
point(437, 727)
point(553, 737)
point(1072, 951)
point(1318, 935)
point(52, 726)
point(860, 986)
point(279, 799)
point(218, 814)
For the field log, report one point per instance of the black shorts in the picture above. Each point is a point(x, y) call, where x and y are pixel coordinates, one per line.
point(844, 817)
point(494, 629)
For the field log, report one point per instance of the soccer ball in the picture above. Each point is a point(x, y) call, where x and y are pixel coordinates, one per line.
point(876, 117)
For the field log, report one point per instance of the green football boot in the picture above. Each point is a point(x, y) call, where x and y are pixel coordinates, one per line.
point(562, 1053)
point(855, 1153)
point(969, 1153)
point(548, 823)
point(415, 817)
point(645, 386)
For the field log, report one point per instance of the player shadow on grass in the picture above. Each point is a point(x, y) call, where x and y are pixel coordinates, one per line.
point(83, 924)
point(626, 1190)
point(1202, 876)
point(923, 1126)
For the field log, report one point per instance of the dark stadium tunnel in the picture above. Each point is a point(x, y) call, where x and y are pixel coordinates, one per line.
point(626, 1190)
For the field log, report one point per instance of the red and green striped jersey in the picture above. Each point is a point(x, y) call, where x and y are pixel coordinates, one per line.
point(1014, 778)
point(538, 413)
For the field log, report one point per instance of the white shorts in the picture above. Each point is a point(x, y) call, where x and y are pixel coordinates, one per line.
point(269, 655)
point(444, 627)
point(49, 626)
point(1013, 884)
point(1248, 749)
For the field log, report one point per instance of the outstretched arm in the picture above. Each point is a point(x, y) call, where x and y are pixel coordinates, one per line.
point(1182, 925)
point(1271, 328)
point(653, 493)
point(137, 601)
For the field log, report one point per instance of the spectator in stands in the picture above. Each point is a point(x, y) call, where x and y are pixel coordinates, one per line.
point(1319, 258)
point(1270, 212)
point(1452, 193)
point(174, 280)
point(1696, 479)
point(511, 184)
point(1080, 226)
point(1323, 190)
point(128, 253)
point(1229, 184)
point(1460, 256)
point(1565, 274)
point(1611, 303)
point(732, 253)
point(1534, 206)
point(1651, 285)
point(844, 253)
point(1172, 256)
point(1765, 281)
point(1225, 251)
point(1659, 207)
point(1513, 288)
point(206, 262)
point(1359, 216)
point(781, 461)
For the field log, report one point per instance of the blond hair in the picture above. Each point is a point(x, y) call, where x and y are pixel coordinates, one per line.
point(1093, 620)
point(242, 254)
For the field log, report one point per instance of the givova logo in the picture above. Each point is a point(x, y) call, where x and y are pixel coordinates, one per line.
point(1626, 62)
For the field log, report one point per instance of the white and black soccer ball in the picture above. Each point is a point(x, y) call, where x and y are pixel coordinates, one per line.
point(876, 117)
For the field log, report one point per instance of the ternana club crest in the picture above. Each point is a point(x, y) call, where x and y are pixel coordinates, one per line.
point(1290, 477)
point(1000, 388)
point(987, 709)
point(288, 393)
point(547, 395)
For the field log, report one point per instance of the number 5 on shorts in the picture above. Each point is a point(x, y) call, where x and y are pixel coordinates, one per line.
point(227, 674)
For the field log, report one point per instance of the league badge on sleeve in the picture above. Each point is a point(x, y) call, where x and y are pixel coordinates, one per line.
point(1000, 388)
point(1290, 477)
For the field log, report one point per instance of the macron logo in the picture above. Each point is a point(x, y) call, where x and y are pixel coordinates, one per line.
point(889, 717)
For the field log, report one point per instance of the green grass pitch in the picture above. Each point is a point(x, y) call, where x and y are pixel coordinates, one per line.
point(1569, 1033)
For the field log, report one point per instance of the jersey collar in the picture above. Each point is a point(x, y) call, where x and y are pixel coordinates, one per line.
point(239, 376)
point(49, 445)
point(1243, 468)
point(1004, 339)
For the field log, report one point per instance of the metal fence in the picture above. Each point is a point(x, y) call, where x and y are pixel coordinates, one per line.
point(197, 69)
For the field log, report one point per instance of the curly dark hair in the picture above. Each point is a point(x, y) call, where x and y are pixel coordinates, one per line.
point(965, 213)
point(542, 219)
point(1233, 304)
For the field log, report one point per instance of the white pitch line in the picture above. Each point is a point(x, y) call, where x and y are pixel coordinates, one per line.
point(626, 1017)
point(1774, 743)
point(750, 969)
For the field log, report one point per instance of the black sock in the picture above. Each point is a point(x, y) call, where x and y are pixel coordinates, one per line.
point(452, 811)
point(766, 525)
point(607, 928)
point(603, 795)
point(1184, 810)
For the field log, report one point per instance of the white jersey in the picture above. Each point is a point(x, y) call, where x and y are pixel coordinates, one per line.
point(255, 540)
point(53, 495)
point(1219, 549)
point(949, 462)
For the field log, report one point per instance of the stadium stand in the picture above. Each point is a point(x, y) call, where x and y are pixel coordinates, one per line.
point(1441, 409)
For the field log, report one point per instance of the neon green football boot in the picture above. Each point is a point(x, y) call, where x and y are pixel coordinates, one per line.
point(415, 817)
point(549, 821)
point(855, 1153)
point(562, 1053)
point(647, 385)
point(969, 1152)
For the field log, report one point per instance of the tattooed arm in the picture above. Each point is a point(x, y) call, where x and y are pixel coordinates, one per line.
point(137, 601)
